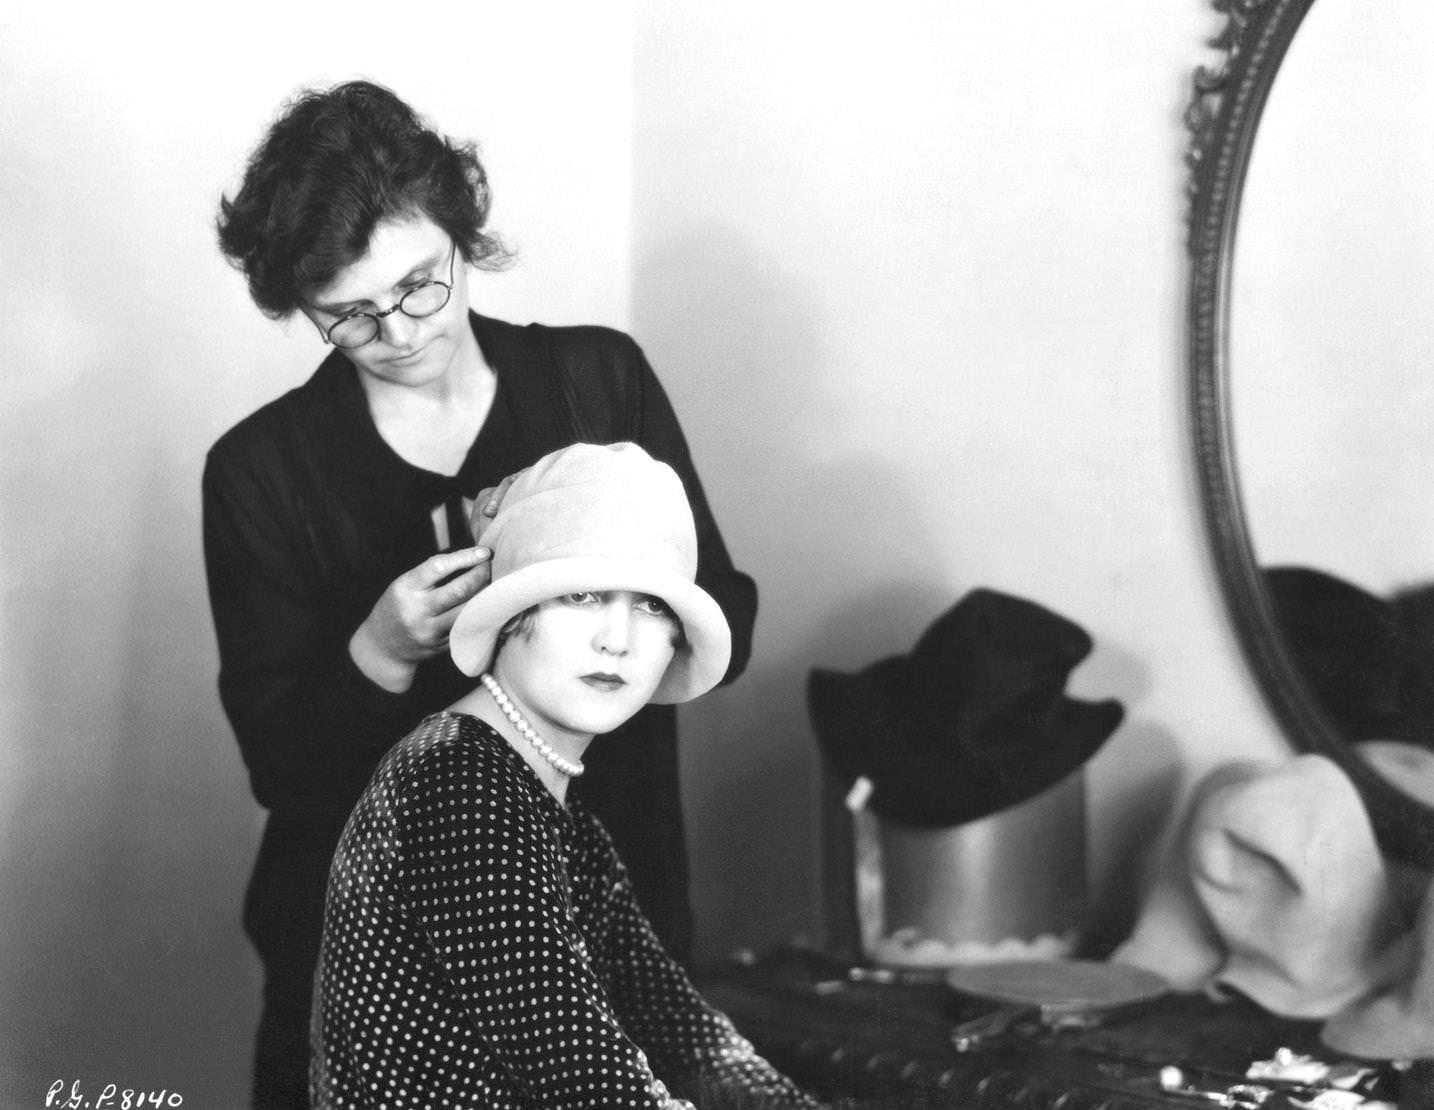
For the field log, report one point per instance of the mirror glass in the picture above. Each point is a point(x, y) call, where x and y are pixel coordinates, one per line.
point(1331, 352)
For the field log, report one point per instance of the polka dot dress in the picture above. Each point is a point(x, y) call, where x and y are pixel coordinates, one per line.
point(482, 947)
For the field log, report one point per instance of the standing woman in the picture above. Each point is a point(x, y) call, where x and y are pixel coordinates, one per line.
point(336, 530)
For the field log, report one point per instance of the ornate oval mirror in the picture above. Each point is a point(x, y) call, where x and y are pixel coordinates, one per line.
point(1312, 400)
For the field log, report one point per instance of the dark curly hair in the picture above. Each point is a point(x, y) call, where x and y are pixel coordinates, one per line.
point(335, 164)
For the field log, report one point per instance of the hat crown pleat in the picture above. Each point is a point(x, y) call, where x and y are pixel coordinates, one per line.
point(630, 510)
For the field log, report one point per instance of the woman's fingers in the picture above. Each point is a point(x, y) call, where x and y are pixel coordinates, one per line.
point(487, 504)
point(433, 570)
point(412, 619)
point(450, 597)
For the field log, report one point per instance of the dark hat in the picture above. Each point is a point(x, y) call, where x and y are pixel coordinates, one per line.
point(1346, 643)
point(973, 720)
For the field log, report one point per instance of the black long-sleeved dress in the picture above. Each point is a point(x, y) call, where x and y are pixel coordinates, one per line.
point(482, 947)
point(308, 516)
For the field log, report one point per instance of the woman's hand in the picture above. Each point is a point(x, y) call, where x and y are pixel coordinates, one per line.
point(486, 505)
point(411, 619)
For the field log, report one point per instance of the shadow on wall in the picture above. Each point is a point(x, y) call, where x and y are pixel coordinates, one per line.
point(1128, 833)
point(129, 843)
point(836, 537)
point(854, 555)
point(751, 762)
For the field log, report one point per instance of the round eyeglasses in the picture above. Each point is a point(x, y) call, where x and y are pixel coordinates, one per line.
point(358, 329)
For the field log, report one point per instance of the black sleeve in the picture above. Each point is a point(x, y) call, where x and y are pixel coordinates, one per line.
point(310, 725)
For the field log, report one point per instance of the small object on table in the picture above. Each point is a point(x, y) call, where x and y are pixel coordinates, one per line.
point(1052, 993)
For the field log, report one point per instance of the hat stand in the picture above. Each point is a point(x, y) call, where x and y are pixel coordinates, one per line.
point(1008, 886)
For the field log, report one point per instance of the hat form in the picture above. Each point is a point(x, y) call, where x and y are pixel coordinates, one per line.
point(591, 517)
point(1276, 888)
point(972, 721)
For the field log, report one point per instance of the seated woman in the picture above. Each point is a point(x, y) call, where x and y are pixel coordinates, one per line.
point(482, 945)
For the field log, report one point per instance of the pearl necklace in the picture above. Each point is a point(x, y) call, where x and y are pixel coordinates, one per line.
point(570, 767)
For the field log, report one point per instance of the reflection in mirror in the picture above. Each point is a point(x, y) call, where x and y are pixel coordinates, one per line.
point(1332, 343)
point(1310, 400)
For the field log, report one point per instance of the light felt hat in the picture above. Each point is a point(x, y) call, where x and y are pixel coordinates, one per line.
point(591, 517)
point(1277, 889)
point(1396, 1021)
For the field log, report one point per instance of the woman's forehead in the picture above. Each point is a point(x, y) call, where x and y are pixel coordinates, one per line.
point(397, 249)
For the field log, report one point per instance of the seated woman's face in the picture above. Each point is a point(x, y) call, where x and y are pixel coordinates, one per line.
point(586, 662)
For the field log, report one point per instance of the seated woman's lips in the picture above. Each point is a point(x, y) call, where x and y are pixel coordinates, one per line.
point(604, 681)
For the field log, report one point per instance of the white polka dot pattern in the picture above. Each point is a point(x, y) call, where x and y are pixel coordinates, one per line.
point(482, 947)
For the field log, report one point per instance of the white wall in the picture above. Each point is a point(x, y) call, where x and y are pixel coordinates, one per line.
point(916, 282)
point(126, 828)
point(912, 274)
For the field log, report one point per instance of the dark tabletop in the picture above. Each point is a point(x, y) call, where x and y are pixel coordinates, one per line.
point(868, 1038)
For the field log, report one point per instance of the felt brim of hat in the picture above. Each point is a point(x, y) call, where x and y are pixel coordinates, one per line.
point(1396, 1021)
point(1173, 934)
point(1385, 1029)
point(927, 767)
point(694, 670)
point(1396, 1024)
point(1410, 765)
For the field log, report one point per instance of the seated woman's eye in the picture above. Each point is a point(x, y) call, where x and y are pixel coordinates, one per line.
point(655, 606)
point(581, 597)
